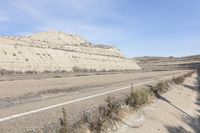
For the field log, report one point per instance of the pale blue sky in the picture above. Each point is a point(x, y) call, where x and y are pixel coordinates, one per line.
point(137, 27)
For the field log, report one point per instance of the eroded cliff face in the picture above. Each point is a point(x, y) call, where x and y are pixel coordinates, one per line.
point(57, 51)
point(150, 63)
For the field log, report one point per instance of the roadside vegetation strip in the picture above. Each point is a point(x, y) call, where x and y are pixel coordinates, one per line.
point(107, 115)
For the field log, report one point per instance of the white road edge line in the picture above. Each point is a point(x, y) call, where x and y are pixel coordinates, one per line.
point(68, 102)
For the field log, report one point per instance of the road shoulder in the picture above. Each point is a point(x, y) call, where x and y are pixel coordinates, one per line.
point(177, 114)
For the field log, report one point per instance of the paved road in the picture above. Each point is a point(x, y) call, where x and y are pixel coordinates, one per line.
point(32, 104)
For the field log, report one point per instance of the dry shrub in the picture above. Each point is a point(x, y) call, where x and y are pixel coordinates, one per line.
point(189, 74)
point(30, 72)
point(96, 124)
point(105, 115)
point(6, 72)
point(178, 80)
point(112, 108)
point(57, 76)
point(138, 97)
point(65, 127)
point(63, 71)
point(18, 72)
point(77, 69)
point(162, 86)
point(46, 71)
point(9, 72)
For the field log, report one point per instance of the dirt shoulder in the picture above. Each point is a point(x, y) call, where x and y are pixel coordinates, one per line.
point(177, 111)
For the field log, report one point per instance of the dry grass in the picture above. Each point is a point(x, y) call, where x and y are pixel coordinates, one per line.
point(57, 76)
point(65, 127)
point(6, 72)
point(189, 74)
point(106, 114)
point(139, 97)
point(178, 80)
point(162, 86)
point(77, 69)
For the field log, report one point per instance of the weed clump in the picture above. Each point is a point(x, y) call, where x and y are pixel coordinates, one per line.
point(138, 97)
point(6, 72)
point(178, 80)
point(106, 115)
point(162, 86)
point(65, 127)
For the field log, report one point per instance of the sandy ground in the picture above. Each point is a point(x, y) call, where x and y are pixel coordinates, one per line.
point(178, 111)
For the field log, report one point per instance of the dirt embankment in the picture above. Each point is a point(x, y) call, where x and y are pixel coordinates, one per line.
point(177, 111)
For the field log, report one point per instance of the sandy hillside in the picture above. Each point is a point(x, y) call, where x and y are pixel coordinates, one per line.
point(178, 111)
point(59, 51)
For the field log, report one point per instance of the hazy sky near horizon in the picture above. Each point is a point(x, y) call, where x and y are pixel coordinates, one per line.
point(137, 27)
